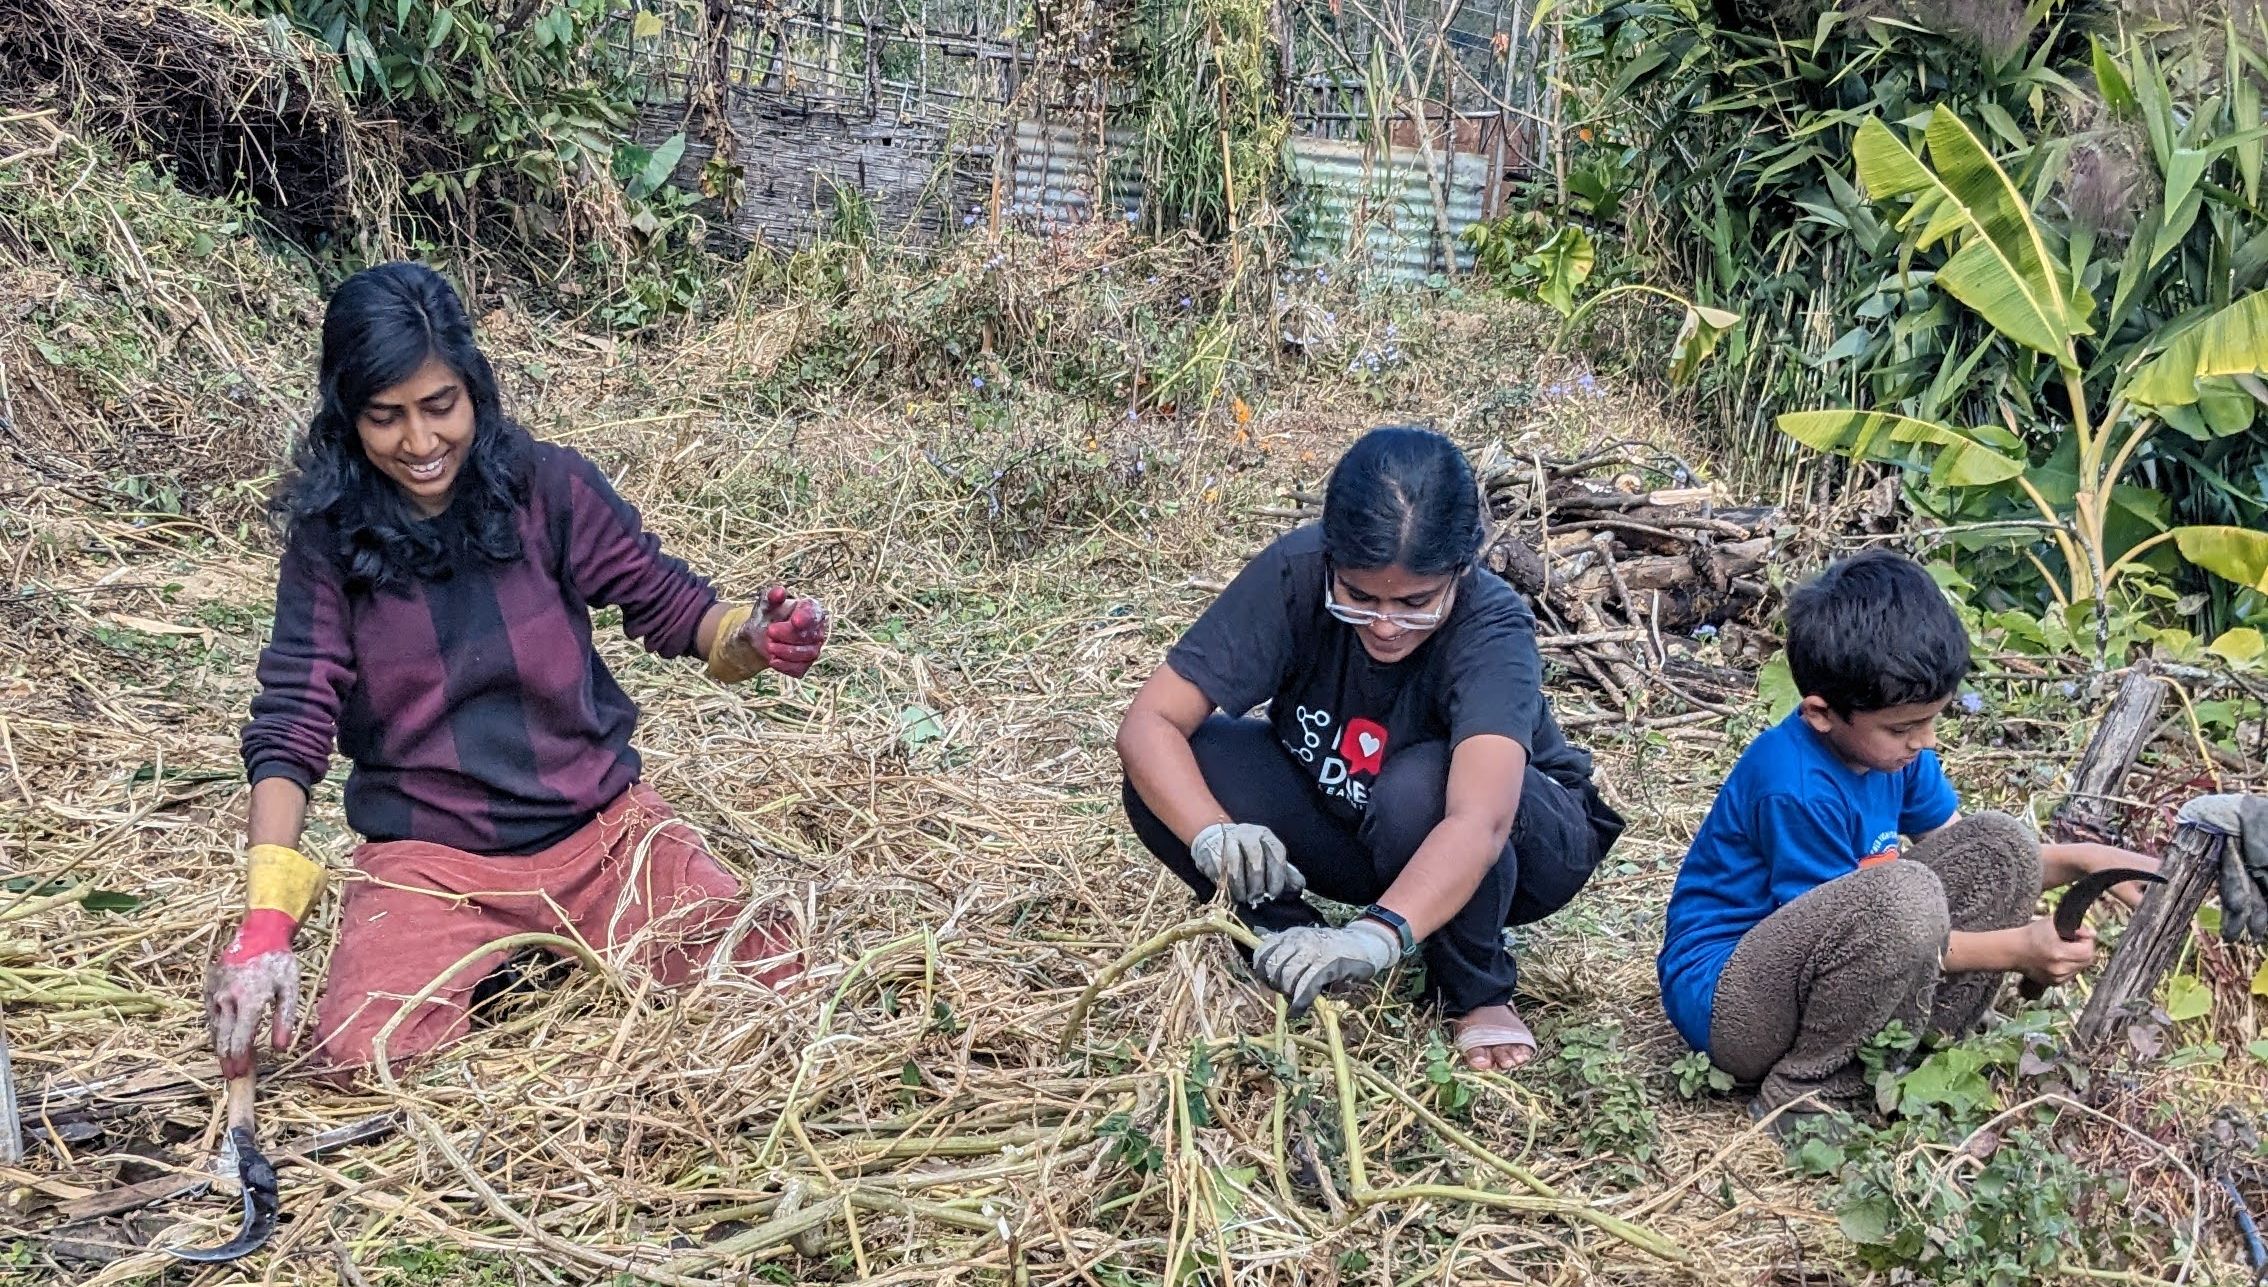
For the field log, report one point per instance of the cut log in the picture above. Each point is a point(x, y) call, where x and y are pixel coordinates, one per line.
point(2192, 868)
point(1579, 498)
point(1715, 567)
point(2091, 810)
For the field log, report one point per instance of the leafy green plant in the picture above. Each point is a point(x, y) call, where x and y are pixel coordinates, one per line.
point(1555, 269)
point(1450, 1092)
point(2135, 141)
point(1130, 1145)
point(1605, 1092)
point(1212, 130)
point(1530, 259)
point(1965, 1184)
point(2118, 386)
point(518, 117)
point(1693, 1074)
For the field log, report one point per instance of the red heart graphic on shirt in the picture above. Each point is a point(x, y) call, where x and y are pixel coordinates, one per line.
point(1363, 746)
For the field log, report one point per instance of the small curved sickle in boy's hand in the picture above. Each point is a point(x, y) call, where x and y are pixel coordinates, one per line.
point(2071, 913)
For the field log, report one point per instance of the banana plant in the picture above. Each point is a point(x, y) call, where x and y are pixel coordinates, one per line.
point(2201, 372)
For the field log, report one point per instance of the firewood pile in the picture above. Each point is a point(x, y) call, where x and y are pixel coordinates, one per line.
point(1659, 598)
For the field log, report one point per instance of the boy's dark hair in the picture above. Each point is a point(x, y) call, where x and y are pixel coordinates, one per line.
point(1872, 632)
point(1402, 497)
point(380, 326)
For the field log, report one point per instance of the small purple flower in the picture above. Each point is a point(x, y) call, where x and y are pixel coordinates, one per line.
point(1186, 302)
point(968, 219)
point(976, 381)
point(1133, 215)
point(1704, 631)
point(2068, 689)
point(1132, 415)
point(1972, 704)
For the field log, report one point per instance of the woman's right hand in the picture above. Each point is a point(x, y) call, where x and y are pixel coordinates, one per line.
point(255, 974)
point(1246, 859)
point(2046, 957)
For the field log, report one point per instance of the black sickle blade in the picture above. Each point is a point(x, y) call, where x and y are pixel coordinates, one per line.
point(259, 1179)
point(2071, 913)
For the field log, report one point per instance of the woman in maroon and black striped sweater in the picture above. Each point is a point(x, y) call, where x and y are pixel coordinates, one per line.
point(433, 620)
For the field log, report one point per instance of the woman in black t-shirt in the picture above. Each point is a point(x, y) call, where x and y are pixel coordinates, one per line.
point(1407, 759)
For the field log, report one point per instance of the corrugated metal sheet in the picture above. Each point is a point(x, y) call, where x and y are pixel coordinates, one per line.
point(1374, 204)
point(1059, 168)
point(1359, 203)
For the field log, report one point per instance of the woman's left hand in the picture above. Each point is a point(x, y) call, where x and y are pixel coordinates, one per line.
point(1300, 963)
point(777, 633)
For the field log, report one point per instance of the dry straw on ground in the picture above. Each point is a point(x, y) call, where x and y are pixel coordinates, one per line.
point(1009, 1065)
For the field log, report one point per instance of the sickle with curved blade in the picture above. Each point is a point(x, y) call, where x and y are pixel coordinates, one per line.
point(257, 1177)
point(2071, 913)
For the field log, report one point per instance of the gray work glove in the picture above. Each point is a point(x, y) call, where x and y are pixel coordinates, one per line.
point(2244, 861)
point(1247, 860)
point(1300, 963)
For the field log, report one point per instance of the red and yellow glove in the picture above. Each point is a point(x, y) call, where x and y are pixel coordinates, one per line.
point(780, 633)
point(256, 972)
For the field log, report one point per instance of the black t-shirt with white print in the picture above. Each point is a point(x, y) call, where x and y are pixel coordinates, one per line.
point(1269, 638)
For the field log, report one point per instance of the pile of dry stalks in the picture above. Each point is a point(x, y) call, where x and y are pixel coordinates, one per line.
point(234, 105)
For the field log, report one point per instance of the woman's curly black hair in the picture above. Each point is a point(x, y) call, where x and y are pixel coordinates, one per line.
point(380, 327)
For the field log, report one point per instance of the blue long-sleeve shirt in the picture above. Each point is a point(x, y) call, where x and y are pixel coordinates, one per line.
point(1791, 817)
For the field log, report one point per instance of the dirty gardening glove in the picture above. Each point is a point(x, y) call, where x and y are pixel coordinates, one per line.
point(1301, 962)
point(256, 972)
point(1247, 860)
point(779, 633)
point(2244, 861)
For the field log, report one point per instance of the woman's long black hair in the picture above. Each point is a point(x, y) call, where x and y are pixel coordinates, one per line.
point(1402, 497)
point(381, 326)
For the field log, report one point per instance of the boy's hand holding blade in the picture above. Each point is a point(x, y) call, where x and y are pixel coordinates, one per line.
point(2071, 921)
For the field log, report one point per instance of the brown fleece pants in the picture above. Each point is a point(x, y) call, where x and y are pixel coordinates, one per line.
point(1814, 980)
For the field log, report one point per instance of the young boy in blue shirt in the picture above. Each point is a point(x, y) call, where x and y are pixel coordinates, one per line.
point(1799, 926)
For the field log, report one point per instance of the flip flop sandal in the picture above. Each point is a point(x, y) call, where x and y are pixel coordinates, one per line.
point(1481, 1036)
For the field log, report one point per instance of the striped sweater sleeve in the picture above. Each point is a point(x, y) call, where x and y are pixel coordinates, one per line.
point(305, 672)
point(612, 559)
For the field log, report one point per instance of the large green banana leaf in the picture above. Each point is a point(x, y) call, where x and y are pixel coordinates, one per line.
point(2004, 268)
point(2197, 384)
point(2237, 553)
point(1953, 457)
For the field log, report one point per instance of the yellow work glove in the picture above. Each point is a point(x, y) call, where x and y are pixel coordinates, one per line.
point(256, 971)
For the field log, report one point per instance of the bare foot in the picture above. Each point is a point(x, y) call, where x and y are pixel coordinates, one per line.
point(1493, 1038)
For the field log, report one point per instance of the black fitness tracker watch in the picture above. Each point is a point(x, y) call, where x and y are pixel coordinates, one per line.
point(1393, 921)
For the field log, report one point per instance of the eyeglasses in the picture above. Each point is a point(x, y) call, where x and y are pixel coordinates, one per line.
point(1401, 620)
